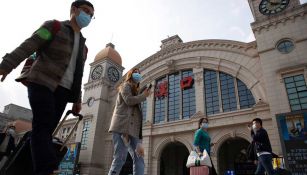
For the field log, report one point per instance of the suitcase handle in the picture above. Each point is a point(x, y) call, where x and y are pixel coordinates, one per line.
point(80, 117)
point(74, 114)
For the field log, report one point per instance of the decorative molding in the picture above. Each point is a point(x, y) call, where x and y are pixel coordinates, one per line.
point(199, 76)
point(266, 25)
point(247, 49)
point(171, 64)
point(148, 123)
point(198, 115)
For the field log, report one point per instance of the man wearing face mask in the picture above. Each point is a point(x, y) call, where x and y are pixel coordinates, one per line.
point(54, 79)
point(126, 124)
point(262, 147)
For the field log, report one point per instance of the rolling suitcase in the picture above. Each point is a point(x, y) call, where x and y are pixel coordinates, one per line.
point(20, 161)
point(199, 170)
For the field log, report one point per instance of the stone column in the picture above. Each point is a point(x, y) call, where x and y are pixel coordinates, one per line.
point(199, 89)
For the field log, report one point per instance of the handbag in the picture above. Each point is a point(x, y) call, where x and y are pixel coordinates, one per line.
point(195, 160)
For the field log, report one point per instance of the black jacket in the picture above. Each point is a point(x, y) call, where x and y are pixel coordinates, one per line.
point(261, 140)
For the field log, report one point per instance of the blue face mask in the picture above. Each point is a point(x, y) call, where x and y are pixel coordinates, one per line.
point(83, 19)
point(204, 125)
point(136, 77)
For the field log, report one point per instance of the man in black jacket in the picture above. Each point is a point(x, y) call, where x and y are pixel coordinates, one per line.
point(262, 147)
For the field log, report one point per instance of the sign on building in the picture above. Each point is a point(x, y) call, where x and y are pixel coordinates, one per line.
point(68, 165)
point(292, 129)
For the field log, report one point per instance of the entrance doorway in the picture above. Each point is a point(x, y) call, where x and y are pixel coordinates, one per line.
point(232, 157)
point(173, 159)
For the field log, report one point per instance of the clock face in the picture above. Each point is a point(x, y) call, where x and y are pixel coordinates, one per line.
point(271, 7)
point(90, 101)
point(113, 74)
point(97, 72)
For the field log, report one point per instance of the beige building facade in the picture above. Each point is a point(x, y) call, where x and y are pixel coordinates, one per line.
point(232, 83)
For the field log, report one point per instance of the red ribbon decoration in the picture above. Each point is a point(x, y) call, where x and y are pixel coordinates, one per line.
point(186, 83)
point(161, 90)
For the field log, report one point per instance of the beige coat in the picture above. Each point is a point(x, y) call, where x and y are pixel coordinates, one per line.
point(127, 115)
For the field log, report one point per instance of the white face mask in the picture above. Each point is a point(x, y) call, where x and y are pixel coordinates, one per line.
point(205, 125)
point(11, 132)
point(254, 126)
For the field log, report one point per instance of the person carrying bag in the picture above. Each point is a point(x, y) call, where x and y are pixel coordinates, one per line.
point(202, 144)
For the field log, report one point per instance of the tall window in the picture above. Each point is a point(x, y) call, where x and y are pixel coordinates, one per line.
point(159, 106)
point(228, 94)
point(211, 92)
point(173, 97)
point(188, 98)
point(85, 134)
point(144, 110)
point(297, 92)
point(246, 98)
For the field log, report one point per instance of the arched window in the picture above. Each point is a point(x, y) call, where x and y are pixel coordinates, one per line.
point(245, 96)
point(211, 92)
point(188, 97)
point(159, 103)
point(175, 97)
point(223, 92)
point(144, 110)
point(229, 102)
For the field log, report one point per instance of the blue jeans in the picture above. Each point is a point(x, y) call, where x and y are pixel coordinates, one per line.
point(265, 164)
point(120, 155)
point(47, 108)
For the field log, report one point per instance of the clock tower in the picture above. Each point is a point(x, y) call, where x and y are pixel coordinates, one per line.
point(98, 100)
point(280, 30)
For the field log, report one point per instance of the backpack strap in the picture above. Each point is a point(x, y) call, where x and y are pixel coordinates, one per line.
point(56, 27)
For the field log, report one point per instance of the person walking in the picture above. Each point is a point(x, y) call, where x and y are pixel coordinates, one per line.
point(126, 124)
point(262, 148)
point(54, 79)
point(202, 140)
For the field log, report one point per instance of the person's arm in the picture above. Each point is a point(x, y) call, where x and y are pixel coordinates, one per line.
point(77, 106)
point(38, 39)
point(130, 99)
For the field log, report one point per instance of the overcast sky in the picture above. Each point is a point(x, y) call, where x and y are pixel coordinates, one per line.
point(135, 27)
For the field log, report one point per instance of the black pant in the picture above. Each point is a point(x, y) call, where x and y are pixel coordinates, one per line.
point(47, 108)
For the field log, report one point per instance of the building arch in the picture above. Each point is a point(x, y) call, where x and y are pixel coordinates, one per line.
point(239, 65)
point(164, 142)
point(224, 137)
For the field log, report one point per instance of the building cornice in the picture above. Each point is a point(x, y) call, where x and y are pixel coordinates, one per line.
point(97, 83)
point(247, 49)
point(273, 22)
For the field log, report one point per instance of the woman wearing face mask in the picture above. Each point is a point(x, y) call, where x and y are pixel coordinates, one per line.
point(126, 124)
point(202, 140)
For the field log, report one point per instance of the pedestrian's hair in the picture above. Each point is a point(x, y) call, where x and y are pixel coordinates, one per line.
point(258, 120)
point(200, 121)
point(129, 80)
point(79, 3)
